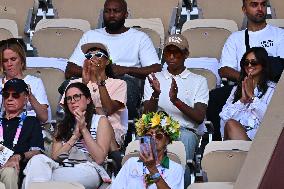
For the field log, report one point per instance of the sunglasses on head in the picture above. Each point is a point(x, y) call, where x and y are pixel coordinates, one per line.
point(251, 62)
point(97, 54)
point(158, 136)
point(6, 95)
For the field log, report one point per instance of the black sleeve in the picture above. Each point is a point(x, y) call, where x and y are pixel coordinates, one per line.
point(36, 140)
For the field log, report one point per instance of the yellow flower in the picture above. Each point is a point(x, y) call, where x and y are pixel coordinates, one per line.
point(156, 120)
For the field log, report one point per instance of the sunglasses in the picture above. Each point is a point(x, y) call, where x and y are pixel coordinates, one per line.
point(158, 136)
point(97, 54)
point(75, 97)
point(6, 95)
point(251, 62)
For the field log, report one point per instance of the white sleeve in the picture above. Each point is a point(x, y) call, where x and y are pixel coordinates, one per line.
point(38, 90)
point(78, 56)
point(120, 180)
point(147, 52)
point(176, 179)
point(202, 94)
point(147, 90)
point(229, 54)
point(280, 44)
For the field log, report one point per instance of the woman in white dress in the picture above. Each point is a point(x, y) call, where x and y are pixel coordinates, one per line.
point(244, 110)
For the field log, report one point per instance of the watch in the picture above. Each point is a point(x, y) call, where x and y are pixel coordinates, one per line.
point(101, 83)
point(155, 177)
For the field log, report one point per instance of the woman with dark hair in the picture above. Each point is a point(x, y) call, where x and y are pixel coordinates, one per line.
point(244, 110)
point(80, 128)
point(109, 95)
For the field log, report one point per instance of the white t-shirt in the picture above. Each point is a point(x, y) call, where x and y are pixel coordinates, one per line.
point(132, 48)
point(38, 90)
point(270, 37)
point(192, 88)
point(131, 175)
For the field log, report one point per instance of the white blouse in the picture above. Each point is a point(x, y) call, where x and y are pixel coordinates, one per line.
point(249, 115)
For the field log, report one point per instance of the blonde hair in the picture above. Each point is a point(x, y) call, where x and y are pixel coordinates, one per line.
point(15, 45)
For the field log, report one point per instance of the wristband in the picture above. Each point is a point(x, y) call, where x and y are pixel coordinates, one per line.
point(101, 83)
point(155, 177)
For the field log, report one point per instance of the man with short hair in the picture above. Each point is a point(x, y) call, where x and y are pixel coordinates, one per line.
point(18, 132)
point(132, 51)
point(261, 34)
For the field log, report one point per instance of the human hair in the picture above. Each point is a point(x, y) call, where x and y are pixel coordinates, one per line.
point(123, 3)
point(16, 45)
point(65, 127)
point(261, 56)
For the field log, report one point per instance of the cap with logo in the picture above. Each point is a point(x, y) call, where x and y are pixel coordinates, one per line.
point(86, 47)
point(16, 84)
point(177, 40)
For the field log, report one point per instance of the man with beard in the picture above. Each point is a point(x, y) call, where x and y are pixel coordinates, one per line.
point(132, 52)
point(261, 34)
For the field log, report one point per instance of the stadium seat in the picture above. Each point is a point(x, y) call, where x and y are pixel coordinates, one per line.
point(176, 152)
point(212, 185)
point(210, 76)
point(153, 27)
point(89, 10)
point(8, 29)
point(2, 186)
point(58, 37)
point(206, 37)
point(276, 22)
point(169, 11)
point(52, 79)
point(223, 160)
point(24, 13)
point(230, 9)
point(277, 7)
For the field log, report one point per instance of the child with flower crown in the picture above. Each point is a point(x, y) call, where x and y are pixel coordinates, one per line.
point(145, 171)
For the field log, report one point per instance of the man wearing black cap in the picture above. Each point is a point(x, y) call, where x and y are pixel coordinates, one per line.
point(18, 132)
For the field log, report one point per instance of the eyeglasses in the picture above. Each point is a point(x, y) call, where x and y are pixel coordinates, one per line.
point(75, 97)
point(97, 54)
point(251, 62)
point(6, 95)
point(158, 136)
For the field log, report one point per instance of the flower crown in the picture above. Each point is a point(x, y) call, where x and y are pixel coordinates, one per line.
point(158, 120)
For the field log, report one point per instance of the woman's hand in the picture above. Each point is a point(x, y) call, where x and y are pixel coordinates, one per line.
point(244, 99)
point(154, 83)
point(173, 91)
point(148, 159)
point(80, 120)
point(249, 86)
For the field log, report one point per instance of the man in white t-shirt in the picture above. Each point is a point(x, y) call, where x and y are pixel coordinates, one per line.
point(132, 52)
point(260, 35)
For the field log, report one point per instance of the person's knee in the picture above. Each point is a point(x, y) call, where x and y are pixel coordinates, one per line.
point(9, 172)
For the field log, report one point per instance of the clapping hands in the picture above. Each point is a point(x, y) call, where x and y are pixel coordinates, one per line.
point(247, 89)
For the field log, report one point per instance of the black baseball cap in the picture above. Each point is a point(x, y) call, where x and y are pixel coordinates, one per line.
point(16, 84)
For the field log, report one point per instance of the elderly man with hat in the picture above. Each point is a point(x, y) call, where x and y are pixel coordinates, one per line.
point(20, 135)
point(179, 92)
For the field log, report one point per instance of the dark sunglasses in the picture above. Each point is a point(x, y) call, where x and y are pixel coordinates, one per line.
point(251, 62)
point(75, 97)
point(158, 136)
point(97, 54)
point(6, 95)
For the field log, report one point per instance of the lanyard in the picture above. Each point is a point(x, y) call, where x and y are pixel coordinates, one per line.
point(18, 132)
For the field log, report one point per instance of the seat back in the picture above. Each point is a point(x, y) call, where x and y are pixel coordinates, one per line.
point(210, 76)
point(24, 12)
point(230, 9)
point(276, 22)
point(153, 27)
point(223, 160)
point(52, 79)
point(206, 37)
point(277, 7)
point(8, 29)
point(176, 152)
point(56, 185)
point(84, 9)
point(169, 11)
point(58, 37)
